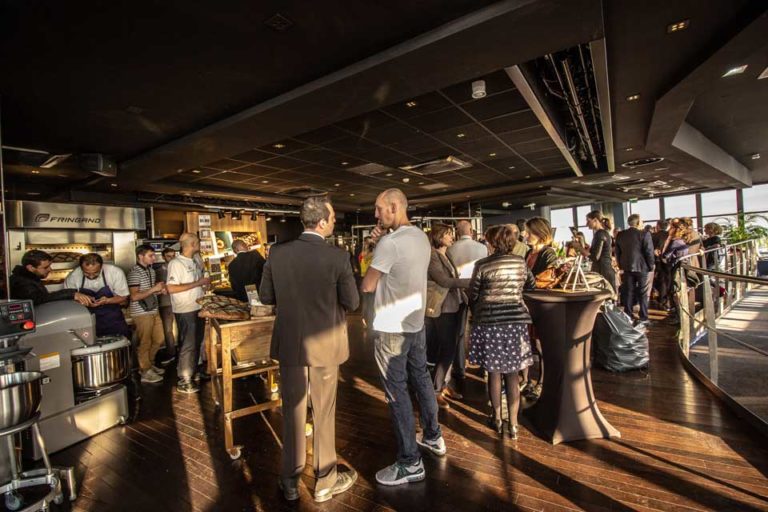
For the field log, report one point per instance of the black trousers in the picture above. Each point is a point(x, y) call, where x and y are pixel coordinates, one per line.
point(444, 331)
point(634, 291)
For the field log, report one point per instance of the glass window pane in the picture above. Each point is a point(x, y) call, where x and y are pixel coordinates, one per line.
point(561, 219)
point(756, 198)
point(648, 209)
point(587, 234)
point(725, 221)
point(718, 203)
point(680, 206)
point(581, 214)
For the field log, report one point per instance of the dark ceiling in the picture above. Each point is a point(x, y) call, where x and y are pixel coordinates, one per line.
point(228, 104)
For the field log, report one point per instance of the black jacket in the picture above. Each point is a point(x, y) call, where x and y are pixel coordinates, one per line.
point(25, 286)
point(634, 250)
point(496, 290)
point(245, 269)
point(313, 287)
point(546, 259)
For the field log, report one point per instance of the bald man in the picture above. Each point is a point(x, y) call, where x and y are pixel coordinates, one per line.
point(398, 275)
point(245, 269)
point(186, 284)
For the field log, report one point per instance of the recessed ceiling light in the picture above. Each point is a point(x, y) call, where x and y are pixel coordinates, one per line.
point(629, 149)
point(736, 71)
point(199, 191)
point(511, 167)
point(337, 184)
point(33, 193)
point(764, 74)
point(406, 180)
point(113, 184)
point(278, 146)
point(756, 156)
point(505, 204)
point(351, 195)
point(269, 219)
point(265, 181)
point(678, 26)
point(527, 177)
point(195, 171)
point(633, 97)
point(35, 171)
point(491, 154)
point(344, 163)
point(410, 104)
point(460, 135)
point(389, 174)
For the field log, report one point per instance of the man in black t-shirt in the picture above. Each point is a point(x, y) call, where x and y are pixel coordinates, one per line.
point(245, 269)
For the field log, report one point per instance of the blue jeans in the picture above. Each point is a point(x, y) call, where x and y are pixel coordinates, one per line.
point(402, 359)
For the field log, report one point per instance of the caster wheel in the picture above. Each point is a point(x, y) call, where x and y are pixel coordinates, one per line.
point(13, 500)
point(235, 453)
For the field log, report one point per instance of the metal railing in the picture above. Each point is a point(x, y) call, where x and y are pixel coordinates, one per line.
point(710, 295)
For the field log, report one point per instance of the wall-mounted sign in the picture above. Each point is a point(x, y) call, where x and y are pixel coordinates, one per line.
point(27, 214)
point(204, 221)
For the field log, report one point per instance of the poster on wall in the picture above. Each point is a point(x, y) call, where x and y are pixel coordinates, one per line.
point(205, 234)
point(204, 221)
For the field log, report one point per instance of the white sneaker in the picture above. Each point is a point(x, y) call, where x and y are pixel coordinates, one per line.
point(399, 474)
point(150, 377)
point(437, 446)
point(157, 370)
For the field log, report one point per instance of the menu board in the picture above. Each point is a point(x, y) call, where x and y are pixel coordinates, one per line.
point(204, 221)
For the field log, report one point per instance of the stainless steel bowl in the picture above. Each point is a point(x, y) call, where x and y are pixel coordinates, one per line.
point(101, 368)
point(20, 395)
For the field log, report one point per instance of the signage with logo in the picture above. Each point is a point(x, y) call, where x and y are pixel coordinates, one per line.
point(27, 214)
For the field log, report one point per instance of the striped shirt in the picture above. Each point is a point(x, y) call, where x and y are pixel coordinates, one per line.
point(145, 279)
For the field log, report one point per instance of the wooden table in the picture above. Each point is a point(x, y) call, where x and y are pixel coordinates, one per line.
point(567, 409)
point(236, 350)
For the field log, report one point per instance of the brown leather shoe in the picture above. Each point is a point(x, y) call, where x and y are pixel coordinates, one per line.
point(452, 394)
point(442, 402)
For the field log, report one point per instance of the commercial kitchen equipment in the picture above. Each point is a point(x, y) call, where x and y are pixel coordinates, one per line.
point(20, 398)
point(66, 231)
point(86, 393)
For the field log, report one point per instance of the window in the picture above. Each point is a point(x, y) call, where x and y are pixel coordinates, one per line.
point(581, 214)
point(648, 209)
point(561, 221)
point(756, 199)
point(718, 203)
point(680, 206)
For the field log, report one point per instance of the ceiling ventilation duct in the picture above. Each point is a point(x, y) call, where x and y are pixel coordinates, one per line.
point(370, 169)
point(604, 180)
point(439, 166)
point(642, 162)
point(304, 192)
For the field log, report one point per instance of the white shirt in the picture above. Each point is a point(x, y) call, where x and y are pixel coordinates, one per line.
point(313, 233)
point(464, 253)
point(113, 276)
point(401, 294)
point(183, 270)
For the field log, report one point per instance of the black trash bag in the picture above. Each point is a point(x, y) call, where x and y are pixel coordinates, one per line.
point(619, 346)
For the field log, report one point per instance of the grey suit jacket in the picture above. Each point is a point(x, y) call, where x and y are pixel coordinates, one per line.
point(312, 285)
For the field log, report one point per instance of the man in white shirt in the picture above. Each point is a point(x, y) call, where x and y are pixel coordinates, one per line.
point(107, 286)
point(186, 284)
point(398, 275)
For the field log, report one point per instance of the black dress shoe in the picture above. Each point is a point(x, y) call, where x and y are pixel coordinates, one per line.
point(497, 425)
point(290, 490)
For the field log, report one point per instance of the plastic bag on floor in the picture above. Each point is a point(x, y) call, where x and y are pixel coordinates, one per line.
point(619, 346)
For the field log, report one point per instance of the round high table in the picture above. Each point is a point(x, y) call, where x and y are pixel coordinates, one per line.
point(567, 408)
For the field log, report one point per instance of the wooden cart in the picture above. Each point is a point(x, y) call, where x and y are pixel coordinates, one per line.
point(236, 350)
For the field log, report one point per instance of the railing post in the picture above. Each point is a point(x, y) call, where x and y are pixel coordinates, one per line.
point(709, 316)
point(682, 307)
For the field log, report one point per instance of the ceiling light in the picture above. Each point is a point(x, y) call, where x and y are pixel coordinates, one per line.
point(195, 171)
point(410, 104)
point(389, 174)
point(254, 215)
point(505, 204)
point(460, 135)
point(269, 219)
point(491, 154)
point(344, 163)
point(337, 184)
point(33, 193)
point(236, 214)
point(677, 27)
point(282, 219)
point(633, 97)
point(406, 180)
point(199, 191)
point(478, 89)
point(736, 71)
point(764, 74)
point(421, 183)
point(113, 184)
point(220, 214)
point(265, 181)
point(756, 156)
point(629, 149)
point(278, 146)
point(527, 177)
point(351, 195)
point(35, 171)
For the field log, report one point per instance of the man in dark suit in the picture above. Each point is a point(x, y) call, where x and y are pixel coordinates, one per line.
point(313, 287)
point(245, 269)
point(634, 252)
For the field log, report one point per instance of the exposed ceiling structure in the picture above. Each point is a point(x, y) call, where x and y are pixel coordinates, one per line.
point(584, 101)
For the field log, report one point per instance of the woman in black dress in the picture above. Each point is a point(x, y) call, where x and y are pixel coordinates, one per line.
point(600, 253)
point(499, 340)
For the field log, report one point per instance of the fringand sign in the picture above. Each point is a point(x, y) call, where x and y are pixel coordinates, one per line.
point(27, 214)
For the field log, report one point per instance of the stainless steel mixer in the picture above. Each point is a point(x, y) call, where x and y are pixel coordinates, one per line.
point(20, 399)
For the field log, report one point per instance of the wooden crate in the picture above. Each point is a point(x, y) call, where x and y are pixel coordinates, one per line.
point(249, 340)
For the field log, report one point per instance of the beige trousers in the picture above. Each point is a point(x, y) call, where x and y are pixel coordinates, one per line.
point(149, 332)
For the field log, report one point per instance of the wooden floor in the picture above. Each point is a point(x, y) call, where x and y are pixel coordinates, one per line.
point(680, 450)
